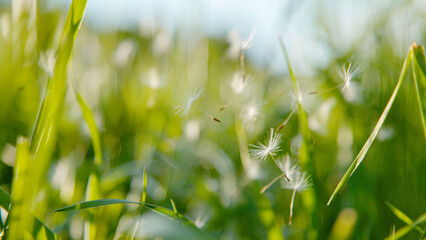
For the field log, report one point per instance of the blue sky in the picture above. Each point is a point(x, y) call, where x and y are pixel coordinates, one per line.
point(297, 22)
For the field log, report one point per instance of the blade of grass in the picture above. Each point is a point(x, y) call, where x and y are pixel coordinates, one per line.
point(265, 212)
point(93, 190)
point(36, 228)
point(94, 132)
point(419, 77)
point(5, 204)
point(402, 216)
point(143, 199)
point(406, 229)
point(306, 158)
point(4, 199)
point(177, 217)
point(56, 87)
point(44, 132)
point(95, 203)
point(22, 192)
point(160, 210)
point(357, 161)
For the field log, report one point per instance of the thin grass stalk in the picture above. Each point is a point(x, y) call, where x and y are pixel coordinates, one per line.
point(357, 161)
point(398, 213)
point(265, 212)
point(419, 77)
point(43, 137)
point(309, 196)
point(93, 190)
point(143, 200)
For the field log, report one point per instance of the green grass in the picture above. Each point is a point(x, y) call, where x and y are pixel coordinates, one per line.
point(93, 148)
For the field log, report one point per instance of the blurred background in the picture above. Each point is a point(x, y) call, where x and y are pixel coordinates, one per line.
point(134, 61)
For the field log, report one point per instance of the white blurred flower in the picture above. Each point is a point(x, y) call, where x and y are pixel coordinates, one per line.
point(262, 151)
point(5, 25)
point(162, 42)
point(250, 113)
point(47, 61)
point(192, 130)
point(153, 79)
point(187, 101)
point(124, 52)
point(347, 74)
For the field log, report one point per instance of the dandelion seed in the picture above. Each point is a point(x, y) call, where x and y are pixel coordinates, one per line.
point(348, 74)
point(299, 97)
point(248, 43)
point(188, 100)
point(262, 151)
point(287, 168)
point(299, 181)
point(237, 45)
point(238, 84)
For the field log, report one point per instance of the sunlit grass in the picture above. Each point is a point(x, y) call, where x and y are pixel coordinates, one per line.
point(109, 135)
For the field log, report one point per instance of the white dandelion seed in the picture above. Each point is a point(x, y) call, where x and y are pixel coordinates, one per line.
point(347, 74)
point(238, 84)
point(187, 102)
point(299, 181)
point(262, 151)
point(287, 168)
point(238, 45)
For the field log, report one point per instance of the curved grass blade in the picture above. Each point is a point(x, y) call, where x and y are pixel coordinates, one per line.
point(93, 190)
point(402, 216)
point(404, 230)
point(265, 212)
point(357, 161)
point(160, 210)
point(22, 191)
point(306, 157)
point(94, 203)
point(56, 86)
point(94, 132)
point(5, 204)
point(177, 217)
point(143, 199)
point(419, 76)
point(39, 230)
point(4, 199)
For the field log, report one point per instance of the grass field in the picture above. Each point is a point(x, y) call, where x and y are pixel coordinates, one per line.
point(129, 135)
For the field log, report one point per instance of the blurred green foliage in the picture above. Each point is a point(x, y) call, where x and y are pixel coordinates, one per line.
point(133, 81)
